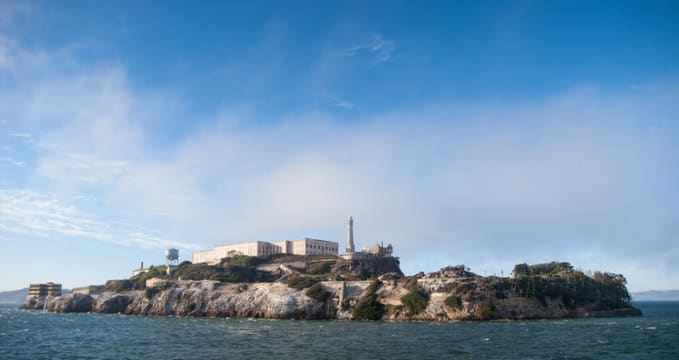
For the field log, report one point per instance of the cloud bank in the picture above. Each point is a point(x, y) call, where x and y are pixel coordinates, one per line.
point(587, 175)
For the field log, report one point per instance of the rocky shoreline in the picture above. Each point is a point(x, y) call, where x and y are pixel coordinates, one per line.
point(450, 294)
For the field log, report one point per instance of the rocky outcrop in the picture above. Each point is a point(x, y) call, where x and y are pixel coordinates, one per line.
point(68, 303)
point(367, 267)
point(111, 303)
point(201, 298)
point(452, 293)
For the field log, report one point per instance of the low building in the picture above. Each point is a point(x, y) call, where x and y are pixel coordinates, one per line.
point(155, 282)
point(306, 246)
point(139, 271)
point(48, 289)
point(379, 250)
point(88, 290)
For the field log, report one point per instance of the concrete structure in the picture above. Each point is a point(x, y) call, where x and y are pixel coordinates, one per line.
point(49, 289)
point(141, 270)
point(89, 290)
point(155, 282)
point(171, 260)
point(306, 246)
point(378, 250)
point(350, 235)
point(171, 257)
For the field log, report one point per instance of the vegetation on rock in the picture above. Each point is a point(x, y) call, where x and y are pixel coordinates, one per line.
point(137, 282)
point(318, 292)
point(487, 312)
point(119, 285)
point(454, 302)
point(366, 268)
point(239, 268)
point(302, 282)
point(601, 290)
point(415, 301)
point(320, 268)
point(368, 308)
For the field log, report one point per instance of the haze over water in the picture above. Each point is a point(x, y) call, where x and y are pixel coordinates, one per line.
point(41, 335)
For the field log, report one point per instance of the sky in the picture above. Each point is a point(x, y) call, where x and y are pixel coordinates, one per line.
point(483, 133)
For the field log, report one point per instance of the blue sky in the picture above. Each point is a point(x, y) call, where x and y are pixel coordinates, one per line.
point(486, 133)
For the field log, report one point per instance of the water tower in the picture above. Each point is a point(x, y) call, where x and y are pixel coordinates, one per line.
point(171, 259)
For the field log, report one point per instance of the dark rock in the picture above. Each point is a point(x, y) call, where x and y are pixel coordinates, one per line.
point(70, 303)
point(114, 304)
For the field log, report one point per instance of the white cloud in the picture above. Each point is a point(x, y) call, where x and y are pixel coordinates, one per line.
point(13, 161)
point(23, 135)
point(379, 48)
point(81, 167)
point(344, 104)
point(27, 212)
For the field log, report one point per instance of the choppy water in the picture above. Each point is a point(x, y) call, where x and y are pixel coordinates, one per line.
point(40, 335)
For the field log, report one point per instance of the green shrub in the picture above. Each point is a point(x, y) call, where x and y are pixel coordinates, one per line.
point(368, 308)
point(373, 287)
point(454, 302)
point(139, 281)
point(302, 282)
point(392, 310)
point(487, 311)
point(224, 277)
point(245, 261)
point(320, 267)
point(119, 285)
point(601, 291)
point(415, 301)
point(547, 269)
point(318, 292)
point(188, 271)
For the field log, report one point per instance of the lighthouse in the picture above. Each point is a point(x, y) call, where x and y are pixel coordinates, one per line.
point(350, 235)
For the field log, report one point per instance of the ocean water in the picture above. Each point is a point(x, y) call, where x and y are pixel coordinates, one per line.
point(41, 335)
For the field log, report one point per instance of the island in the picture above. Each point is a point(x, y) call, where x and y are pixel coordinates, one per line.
point(282, 286)
point(308, 279)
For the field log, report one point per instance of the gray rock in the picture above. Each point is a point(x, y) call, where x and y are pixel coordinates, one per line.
point(70, 303)
point(112, 303)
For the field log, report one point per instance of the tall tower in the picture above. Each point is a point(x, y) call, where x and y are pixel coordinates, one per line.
point(350, 235)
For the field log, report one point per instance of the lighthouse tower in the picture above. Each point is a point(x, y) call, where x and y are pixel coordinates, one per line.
point(350, 235)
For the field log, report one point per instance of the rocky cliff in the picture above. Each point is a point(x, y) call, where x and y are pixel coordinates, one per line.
point(452, 293)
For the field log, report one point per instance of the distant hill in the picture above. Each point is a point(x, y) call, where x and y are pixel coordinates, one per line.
point(18, 296)
point(14, 296)
point(656, 295)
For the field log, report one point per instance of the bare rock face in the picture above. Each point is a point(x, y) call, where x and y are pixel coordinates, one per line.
point(260, 300)
point(34, 303)
point(69, 303)
point(451, 294)
point(112, 303)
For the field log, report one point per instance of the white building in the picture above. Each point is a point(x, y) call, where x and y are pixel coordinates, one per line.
point(306, 246)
